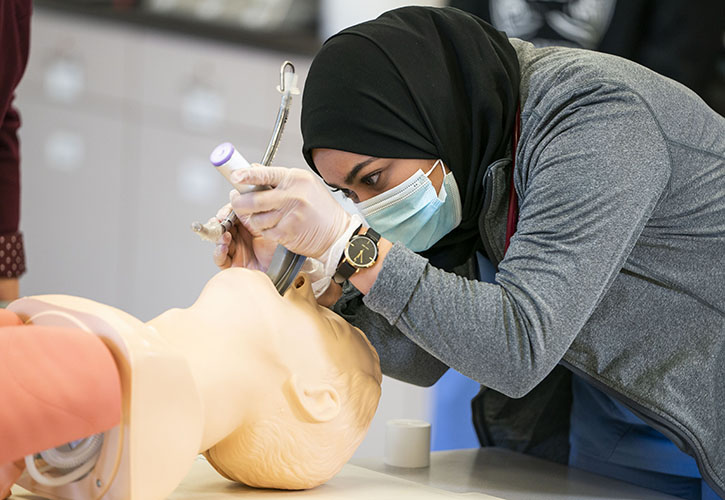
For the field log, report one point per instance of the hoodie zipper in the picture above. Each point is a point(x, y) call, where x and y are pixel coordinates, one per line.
point(652, 419)
point(487, 198)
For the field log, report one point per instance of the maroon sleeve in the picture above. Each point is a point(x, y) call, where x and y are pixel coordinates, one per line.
point(14, 45)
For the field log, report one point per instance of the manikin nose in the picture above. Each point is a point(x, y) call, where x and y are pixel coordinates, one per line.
point(301, 288)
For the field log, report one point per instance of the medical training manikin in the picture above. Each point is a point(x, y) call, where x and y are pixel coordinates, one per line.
point(275, 391)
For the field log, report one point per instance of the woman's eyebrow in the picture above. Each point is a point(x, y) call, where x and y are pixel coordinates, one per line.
point(350, 179)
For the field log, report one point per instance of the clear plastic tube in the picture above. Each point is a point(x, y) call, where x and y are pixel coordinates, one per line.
point(55, 481)
point(67, 457)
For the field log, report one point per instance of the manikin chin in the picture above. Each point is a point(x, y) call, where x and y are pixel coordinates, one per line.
point(276, 392)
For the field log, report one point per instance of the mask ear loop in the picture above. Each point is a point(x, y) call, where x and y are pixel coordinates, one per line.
point(443, 183)
point(427, 174)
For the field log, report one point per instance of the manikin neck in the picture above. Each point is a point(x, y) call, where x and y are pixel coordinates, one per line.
point(219, 364)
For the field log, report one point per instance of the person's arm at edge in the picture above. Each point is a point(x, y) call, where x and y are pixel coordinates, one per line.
point(15, 39)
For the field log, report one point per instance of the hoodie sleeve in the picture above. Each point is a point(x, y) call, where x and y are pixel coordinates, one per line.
point(588, 181)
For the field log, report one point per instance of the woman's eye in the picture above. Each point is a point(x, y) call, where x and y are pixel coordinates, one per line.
point(371, 179)
point(350, 195)
point(345, 192)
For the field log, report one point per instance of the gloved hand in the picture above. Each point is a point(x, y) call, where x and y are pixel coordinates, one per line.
point(239, 248)
point(242, 246)
point(299, 212)
point(321, 271)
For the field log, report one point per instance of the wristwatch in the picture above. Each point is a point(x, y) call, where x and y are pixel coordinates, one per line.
point(361, 252)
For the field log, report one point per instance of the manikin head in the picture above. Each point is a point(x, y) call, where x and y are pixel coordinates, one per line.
point(277, 391)
point(313, 383)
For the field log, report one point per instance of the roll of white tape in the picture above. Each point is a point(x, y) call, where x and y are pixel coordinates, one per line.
point(407, 443)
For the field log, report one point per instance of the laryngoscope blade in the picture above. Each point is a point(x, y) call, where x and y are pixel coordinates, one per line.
point(285, 265)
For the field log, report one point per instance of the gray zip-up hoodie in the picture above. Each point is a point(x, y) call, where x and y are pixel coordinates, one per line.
point(617, 267)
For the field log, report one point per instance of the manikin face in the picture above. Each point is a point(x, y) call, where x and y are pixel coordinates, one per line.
point(320, 379)
point(294, 329)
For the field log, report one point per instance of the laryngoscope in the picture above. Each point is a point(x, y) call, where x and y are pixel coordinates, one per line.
point(285, 265)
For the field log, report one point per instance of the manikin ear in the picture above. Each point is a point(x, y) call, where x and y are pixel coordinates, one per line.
point(319, 402)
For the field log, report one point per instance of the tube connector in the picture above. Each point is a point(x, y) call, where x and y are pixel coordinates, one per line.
point(211, 231)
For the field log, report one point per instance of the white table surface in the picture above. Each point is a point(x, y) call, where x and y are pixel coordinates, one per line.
point(352, 482)
point(512, 476)
point(475, 474)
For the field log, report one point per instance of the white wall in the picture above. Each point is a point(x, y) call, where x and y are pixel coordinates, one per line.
point(336, 15)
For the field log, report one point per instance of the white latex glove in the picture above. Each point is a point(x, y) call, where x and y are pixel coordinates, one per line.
point(299, 212)
point(321, 271)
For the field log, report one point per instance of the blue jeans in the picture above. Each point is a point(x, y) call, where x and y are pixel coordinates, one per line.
point(608, 439)
point(692, 488)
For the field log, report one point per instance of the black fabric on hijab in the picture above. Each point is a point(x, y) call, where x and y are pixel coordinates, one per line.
point(418, 82)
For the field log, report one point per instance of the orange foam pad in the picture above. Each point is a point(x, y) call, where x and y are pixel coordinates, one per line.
point(56, 385)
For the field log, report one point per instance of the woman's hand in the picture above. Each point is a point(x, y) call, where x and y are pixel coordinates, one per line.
point(241, 246)
point(299, 212)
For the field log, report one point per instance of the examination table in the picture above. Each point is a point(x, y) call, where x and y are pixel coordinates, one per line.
point(486, 474)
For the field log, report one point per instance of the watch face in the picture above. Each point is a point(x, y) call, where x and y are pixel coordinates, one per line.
point(361, 252)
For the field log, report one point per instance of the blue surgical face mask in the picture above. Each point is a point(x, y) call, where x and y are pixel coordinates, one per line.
point(413, 213)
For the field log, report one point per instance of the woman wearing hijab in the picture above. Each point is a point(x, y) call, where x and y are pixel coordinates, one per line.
point(594, 186)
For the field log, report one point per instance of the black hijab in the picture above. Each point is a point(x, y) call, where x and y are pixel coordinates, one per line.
point(418, 82)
